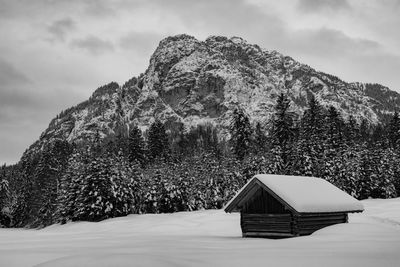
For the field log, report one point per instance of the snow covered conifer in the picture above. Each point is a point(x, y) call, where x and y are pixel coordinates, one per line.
point(384, 173)
point(348, 173)
point(276, 164)
point(260, 139)
point(377, 137)
point(303, 163)
point(124, 180)
point(352, 131)
point(367, 181)
point(282, 129)
point(4, 192)
point(136, 146)
point(94, 197)
point(393, 131)
point(4, 198)
point(334, 145)
point(334, 129)
point(70, 184)
point(97, 187)
point(51, 164)
point(308, 152)
point(180, 146)
point(157, 143)
point(45, 188)
point(240, 133)
point(365, 131)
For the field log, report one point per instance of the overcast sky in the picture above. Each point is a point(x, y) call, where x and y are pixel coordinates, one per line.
point(53, 54)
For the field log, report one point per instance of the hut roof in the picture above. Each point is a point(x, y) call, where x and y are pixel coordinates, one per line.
point(298, 194)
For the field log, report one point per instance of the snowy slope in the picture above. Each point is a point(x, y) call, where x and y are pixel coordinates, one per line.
point(192, 82)
point(205, 238)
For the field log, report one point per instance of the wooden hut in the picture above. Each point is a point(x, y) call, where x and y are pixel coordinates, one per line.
point(286, 206)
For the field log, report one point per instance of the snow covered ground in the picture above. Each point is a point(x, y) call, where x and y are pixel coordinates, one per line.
point(205, 238)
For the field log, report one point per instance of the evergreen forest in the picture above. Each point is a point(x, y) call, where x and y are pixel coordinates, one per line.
point(167, 170)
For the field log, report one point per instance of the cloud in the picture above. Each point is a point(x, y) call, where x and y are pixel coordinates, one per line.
point(14, 140)
point(93, 44)
point(25, 112)
point(355, 40)
point(222, 17)
point(99, 8)
point(59, 28)
point(310, 6)
point(11, 98)
point(29, 8)
point(9, 75)
point(328, 42)
point(140, 42)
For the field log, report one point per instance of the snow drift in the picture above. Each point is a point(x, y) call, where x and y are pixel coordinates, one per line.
point(205, 238)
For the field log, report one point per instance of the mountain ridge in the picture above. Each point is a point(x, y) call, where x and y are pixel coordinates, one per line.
point(194, 82)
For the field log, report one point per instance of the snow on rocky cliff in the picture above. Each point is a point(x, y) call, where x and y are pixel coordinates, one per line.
point(192, 82)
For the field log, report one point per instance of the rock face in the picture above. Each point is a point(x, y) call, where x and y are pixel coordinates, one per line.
point(192, 82)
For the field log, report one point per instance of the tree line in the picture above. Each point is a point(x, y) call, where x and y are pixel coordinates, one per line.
point(177, 169)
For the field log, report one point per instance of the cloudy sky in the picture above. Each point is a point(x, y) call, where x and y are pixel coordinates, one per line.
point(54, 53)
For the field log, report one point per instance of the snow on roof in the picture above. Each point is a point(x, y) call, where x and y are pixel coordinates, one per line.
point(303, 194)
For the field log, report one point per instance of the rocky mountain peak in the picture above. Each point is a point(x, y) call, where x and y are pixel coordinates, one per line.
point(105, 90)
point(195, 82)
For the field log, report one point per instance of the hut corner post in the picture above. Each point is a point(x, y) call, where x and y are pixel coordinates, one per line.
point(294, 225)
point(242, 223)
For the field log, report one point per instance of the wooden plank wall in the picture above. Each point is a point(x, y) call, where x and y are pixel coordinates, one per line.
point(263, 215)
point(266, 224)
point(262, 202)
point(305, 224)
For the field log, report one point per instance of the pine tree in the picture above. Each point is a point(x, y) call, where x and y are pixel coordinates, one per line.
point(396, 172)
point(365, 131)
point(121, 138)
point(22, 194)
point(4, 200)
point(255, 164)
point(157, 143)
point(96, 187)
point(52, 163)
point(4, 186)
point(309, 148)
point(124, 185)
point(70, 184)
point(283, 131)
point(333, 146)
point(384, 171)
point(204, 138)
point(136, 146)
point(348, 171)
point(4, 192)
point(240, 134)
point(303, 163)
point(352, 132)
point(94, 198)
point(180, 146)
point(45, 189)
point(260, 140)
point(367, 182)
point(96, 144)
point(377, 137)
point(393, 131)
point(334, 129)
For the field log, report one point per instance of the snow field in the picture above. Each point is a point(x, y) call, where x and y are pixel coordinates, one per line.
point(205, 238)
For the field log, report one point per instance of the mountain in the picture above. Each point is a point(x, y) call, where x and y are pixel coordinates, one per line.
point(193, 82)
